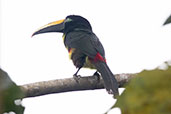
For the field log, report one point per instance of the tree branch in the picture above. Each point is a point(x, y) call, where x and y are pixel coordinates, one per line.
point(70, 84)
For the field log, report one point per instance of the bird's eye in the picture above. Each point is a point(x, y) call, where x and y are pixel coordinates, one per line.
point(68, 20)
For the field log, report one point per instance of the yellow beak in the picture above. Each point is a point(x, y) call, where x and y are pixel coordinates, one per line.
point(57, 26)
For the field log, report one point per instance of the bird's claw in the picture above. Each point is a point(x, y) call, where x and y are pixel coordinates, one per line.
point(110, 91)
point(115, 94)
point(97, 75)
point(76, 77)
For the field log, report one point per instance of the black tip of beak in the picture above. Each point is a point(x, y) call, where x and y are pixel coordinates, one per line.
point(34, 34)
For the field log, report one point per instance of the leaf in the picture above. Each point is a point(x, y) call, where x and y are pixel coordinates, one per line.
point(168, 20)
point(9, 92)
point(148, 93)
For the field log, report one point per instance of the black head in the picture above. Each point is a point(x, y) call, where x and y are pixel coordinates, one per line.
point(70, 23)
point(76, 22)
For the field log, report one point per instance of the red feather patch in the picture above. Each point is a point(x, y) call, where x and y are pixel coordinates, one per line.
point(98, 57)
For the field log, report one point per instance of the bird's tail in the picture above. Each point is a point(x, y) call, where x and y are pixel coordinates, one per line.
point(110, 83)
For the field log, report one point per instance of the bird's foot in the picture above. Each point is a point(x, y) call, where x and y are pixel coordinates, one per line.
point(76, 77)
point(110, 91)
point(97, 76)
point(115, 94)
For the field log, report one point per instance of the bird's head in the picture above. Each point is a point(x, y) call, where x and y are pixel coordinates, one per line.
point(68, 24)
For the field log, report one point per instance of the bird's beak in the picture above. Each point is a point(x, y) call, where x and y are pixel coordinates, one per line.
point(57, 26)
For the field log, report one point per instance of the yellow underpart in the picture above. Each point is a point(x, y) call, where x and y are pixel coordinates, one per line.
point(70, 52)
point(63, 37)
point(88, 64)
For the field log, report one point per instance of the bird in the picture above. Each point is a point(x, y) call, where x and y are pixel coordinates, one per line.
point(84, 47)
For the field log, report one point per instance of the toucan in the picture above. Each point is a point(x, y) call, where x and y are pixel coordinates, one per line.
point(84, 47)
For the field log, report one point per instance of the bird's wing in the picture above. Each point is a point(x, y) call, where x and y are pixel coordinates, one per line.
point(88, 43)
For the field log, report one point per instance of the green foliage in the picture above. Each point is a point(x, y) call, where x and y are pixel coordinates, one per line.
point(9, 92)
point(148, 93)
point(168, 20)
